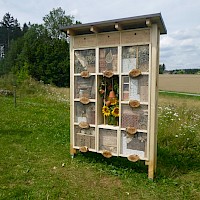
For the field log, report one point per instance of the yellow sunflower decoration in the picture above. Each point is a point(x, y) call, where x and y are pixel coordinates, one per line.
point(106, 110)
point(115, 112)
point(114, 102)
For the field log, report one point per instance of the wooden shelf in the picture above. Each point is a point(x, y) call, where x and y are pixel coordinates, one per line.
point(91, 100)
point(106, 126)
point(138, 130)
point(85, 134)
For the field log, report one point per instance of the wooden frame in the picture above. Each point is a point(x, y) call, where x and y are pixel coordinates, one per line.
point(134, 133)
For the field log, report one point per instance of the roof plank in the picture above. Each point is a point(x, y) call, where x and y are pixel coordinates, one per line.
point(142, 21)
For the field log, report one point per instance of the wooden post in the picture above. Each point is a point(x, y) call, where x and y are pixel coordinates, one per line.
point(153, 102)
point(72, 150)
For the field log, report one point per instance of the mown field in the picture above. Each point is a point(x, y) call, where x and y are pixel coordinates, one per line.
point(180, 82)
point(35, 161)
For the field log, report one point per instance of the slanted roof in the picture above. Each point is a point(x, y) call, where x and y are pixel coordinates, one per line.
point(117, 24)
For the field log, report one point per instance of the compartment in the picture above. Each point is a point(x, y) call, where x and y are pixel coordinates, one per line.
point(139, 88)
point(133, 144)
point(134, 117)
point(84, 87)
point(108, 101)
point(129, 58)
point(135, 57)
point(108, 140)
point(84, 60)
point(84, 113)
point(84, 137)
point(125, 88)
point(135, 88)
point(143, 58)
point(108, 59)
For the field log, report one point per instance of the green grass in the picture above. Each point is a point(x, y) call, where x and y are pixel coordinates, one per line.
point(183, 95)
point(35, 161)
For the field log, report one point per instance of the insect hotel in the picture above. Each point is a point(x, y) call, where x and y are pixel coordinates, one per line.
point(114, 86)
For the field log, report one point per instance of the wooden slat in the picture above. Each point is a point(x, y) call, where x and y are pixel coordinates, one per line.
point(108, 39)
point(153, 103)
point(85, 41)
point(137, 36)
point(72, 150)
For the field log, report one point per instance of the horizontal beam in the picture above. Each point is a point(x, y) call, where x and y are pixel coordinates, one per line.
point(94, 29)
point(118, 26)
point(70, 32)
point(148, 22)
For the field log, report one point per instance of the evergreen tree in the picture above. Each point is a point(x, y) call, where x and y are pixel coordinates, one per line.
point(161, 68)
point(42, 52)
point(9, 30)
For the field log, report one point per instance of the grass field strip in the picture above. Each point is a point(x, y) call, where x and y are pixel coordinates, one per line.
point(182, 93)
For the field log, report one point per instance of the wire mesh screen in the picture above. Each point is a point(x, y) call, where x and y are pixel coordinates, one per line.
point(139, 88)
point(84, 137)
point(129, 58)
point(108, 59)
point(84, 113)
point(108, 140)
point(84, 87)
point(143, 58)
point(133, 144)
point(84, 60)
point(135, 57)
point(135, 117)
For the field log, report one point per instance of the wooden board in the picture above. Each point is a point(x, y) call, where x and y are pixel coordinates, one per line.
point(108, 39)
point(137, 36)
point(85, 41)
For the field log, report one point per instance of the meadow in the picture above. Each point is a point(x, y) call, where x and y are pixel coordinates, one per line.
point(35, 162)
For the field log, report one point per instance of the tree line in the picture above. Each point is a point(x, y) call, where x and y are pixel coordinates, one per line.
point(40, 51)
point(37, 50)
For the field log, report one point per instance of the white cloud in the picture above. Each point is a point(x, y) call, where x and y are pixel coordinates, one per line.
point(74, 12)
point(180, 47)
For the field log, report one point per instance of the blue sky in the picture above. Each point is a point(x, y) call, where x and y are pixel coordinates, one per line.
point(180, 48)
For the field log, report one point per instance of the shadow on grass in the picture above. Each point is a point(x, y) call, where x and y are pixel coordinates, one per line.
point(114, 165)
point(15, 132)
point(173, 163)
point(170, 164)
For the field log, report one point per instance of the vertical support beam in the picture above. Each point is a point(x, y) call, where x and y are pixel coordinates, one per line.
point(72, 150)
point(153, 100)
point(157, 92)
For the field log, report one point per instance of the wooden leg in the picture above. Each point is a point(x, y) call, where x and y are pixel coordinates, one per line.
point(151, 170)
point(72, 151)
